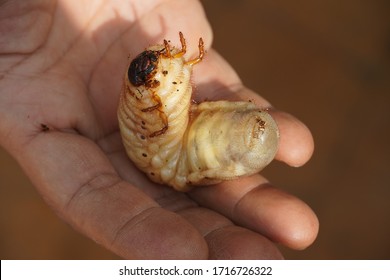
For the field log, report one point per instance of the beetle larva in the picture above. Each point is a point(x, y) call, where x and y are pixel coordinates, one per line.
point(179, 143)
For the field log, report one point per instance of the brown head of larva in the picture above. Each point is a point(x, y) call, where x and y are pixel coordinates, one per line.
point(142, 68)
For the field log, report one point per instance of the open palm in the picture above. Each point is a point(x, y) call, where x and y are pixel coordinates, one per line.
point(61, 70)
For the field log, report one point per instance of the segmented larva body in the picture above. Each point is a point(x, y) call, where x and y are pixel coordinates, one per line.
point(182, 144)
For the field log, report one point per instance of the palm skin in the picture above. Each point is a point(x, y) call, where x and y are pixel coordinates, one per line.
point(62, 65)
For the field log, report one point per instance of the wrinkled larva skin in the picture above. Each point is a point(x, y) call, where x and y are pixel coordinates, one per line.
point(182, 144)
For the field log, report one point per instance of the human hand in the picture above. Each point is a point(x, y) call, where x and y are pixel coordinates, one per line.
point(62, 64)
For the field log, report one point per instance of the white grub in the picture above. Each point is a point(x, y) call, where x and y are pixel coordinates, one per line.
point(221, 140)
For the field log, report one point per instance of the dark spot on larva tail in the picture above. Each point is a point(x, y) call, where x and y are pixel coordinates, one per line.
point(257, 131)
point(144, 155)
point(260, 123)
point(165, 72)
point(175, 83)
point(142, 137)
point(152, 173)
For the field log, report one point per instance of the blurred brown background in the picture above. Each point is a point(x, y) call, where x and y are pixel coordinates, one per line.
point(326, 62)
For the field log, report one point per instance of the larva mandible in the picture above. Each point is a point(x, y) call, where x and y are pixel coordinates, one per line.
point(182, 144)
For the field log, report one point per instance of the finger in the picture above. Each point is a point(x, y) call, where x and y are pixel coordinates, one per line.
point(78, 181)
point(253, 203)
point(157, 24)
point(227, 241)
point(296, 144)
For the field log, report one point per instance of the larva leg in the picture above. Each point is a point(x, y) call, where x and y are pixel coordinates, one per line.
point(179, 54)
point(167, 49)
point(161, 131)
point(183, 46)
point(201, 54)
point(162, 115)
point(151, 108)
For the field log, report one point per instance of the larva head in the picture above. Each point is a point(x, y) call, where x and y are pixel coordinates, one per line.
point(141, 69)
